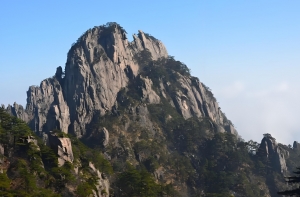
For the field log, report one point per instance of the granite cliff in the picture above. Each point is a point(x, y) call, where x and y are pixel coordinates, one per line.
point(127, 119)
point(98, 66)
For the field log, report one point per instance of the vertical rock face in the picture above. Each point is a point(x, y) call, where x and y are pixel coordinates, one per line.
point(95, 74)
point(17, 111)
point(63, 147)
point(98, 66)
point(149, 95)
point(102, 185)
point(96, 70)
point(296, 145)
point(275, 153)
point(194, 99)
point(1, 155)
point(105, 134)
point(143, 41)
point(46, 107)
point(1, 150)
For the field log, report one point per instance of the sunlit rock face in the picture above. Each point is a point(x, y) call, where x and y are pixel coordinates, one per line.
point(194, 99)
point(102, 183)
point(62, 147)
point(99, 65)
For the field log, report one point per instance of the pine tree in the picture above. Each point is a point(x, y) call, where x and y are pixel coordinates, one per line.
point(292, 180)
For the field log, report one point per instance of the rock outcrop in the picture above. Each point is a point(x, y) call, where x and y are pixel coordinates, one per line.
point(17, 111)
point(1, 154)
point(135, 111)
point(277, 155)
point(296, 145)
point(193, 98)
point(102, 186)
point(97, 68)
point(46, 107)
point(149, 95)
point(144, 41)
point(105, 137)
point(62, 146)
point(99, 65)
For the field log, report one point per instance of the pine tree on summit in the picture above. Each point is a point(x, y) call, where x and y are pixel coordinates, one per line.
point(292, 180)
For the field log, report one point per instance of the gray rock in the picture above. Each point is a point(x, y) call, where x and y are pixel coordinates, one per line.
point(149, 95)
point(230, 129)
point(155, 47)
point(63, 147)
point(105, 137)
point(45, 139)
point(296, 145)
point(47, 108)
point(96, 70)
point(159, 174)
point(194, 99)
point(275, 153)
point(1, 149)
point(17, 111)
point(102, 182)
point(162, 89)
point(98, 66)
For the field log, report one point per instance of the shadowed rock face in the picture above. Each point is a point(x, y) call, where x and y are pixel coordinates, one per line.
point(275, 153)
point(1, 156)
point(98, 66)
point(296, 145)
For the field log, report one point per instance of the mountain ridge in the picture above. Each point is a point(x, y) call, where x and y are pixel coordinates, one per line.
point(103, 55)
point(127, 119)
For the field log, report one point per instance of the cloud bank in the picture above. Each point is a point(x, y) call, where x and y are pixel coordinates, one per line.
point(270, 109)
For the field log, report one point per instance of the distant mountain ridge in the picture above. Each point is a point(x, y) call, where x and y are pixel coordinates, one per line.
point(127, 119)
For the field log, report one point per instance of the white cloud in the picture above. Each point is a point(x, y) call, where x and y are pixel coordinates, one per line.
point(283, 86)
point(259, 110)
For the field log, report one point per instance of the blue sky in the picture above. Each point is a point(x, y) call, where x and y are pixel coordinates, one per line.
point(247, 52)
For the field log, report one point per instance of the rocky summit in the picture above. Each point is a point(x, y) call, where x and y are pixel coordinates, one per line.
point(127, 119)
point(99, 65)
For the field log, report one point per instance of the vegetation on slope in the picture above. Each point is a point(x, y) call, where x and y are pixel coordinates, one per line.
point(31, 169)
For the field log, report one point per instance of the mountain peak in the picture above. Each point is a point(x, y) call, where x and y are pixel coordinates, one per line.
point(99, 66)
point(139, 106)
